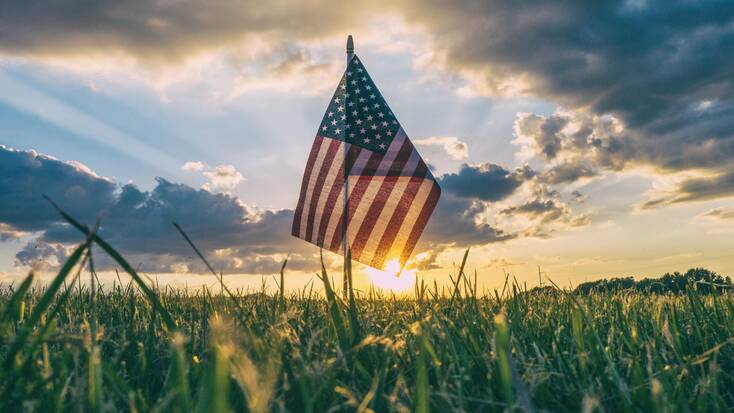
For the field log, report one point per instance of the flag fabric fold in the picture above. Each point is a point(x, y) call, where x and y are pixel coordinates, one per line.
point(391, 191)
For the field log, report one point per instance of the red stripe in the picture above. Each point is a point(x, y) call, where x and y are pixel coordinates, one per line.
point(420, 223)
point(383, 194)
point(333, 197)
point(296, 229)
point(396, 221)
point(334, 146)
point(354, 198)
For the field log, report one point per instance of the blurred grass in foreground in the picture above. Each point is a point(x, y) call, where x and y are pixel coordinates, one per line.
point(72, 346)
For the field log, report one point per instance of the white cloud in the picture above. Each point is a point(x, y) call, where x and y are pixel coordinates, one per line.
point(456, 149)
point(222, 178)
point(192, 166)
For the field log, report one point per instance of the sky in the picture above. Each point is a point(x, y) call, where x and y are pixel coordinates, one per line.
point(572, 140)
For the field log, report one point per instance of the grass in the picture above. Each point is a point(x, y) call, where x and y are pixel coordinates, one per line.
point(72, 346)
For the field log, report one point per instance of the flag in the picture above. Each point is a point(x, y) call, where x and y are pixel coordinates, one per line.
point(391, 191)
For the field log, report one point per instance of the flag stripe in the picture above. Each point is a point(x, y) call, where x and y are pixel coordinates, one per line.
point(408, 202)
point(329, 169)
point(336, 192)
point(318, 162)
point(369, 252)
point(296, 229)
point(337, 211)
point(380, 200)
point(420, 223)
point(362, 185)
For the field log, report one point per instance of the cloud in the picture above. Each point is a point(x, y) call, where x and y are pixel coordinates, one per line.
point(720, 213)
point(138, 223)
point(235, 237)
point(486, 182)
point(696, 190)
point(192, 166)
point(25, 176)
point(454, 147)
point(220, 178)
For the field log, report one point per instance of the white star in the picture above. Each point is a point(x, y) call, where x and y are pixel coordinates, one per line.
point(351, 135)
point(368, 87)
point(346, 95)
point(331, 114)
point(361, 100)
point(324, 128)
point(362, 131)
point(378, 136)
point(354, 112)
point(357, 91)
point(348, 126)
point(384, 123)
point(333, 122)
point(342, 87)
point(338, 131)
point(394, 122)
point(365, 108)
point(372, 96)
point(359, 70)
point(366, 140)
point(336, 100)
point(340, 108)
point(358, 122)
point(344, 117)
point(369, 117)
point(382, 115)
point(351, 103)
point(364, 79)
point(349, 73)
point(377, 105)
point(354, 82)
point(373, 127)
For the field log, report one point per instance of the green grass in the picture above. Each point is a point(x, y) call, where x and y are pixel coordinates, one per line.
point(72, 346)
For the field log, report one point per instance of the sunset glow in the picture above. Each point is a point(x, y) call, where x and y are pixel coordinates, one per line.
point(392, 279)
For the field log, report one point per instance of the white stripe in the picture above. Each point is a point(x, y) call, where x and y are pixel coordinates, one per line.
point(338, 207)
point(373, 187)
point(378, 230)
point(336, 171)
point(311, 183)
point(391, 206)
point(419, 202)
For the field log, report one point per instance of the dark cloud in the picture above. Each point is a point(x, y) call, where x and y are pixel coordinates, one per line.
point(487, 182)
point(137, 223)
point(26, 175)
point(160, 31)
point(720, 213)
point(663, 71)
point(567, 172)
point(695, 190)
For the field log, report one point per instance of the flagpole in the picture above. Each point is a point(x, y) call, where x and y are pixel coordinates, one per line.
point(345, 215)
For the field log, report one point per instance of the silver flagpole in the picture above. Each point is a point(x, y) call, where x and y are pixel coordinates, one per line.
point(345, 215)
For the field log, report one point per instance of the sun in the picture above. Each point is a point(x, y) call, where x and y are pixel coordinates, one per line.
point(389, 279)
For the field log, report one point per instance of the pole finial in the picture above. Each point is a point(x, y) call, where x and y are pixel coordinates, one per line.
point(350, 44)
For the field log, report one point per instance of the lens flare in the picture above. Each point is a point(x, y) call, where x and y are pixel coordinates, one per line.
point(389, 279)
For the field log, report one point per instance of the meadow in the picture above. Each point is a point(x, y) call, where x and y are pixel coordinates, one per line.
point(134, 346)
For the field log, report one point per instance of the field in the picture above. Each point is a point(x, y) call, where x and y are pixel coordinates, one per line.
point(72, 346)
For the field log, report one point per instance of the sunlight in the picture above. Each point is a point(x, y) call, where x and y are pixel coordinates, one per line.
point(389, 279)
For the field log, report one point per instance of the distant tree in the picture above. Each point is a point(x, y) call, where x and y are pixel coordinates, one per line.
point(701, 279)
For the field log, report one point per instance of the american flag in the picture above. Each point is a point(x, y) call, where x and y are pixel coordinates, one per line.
point(391, 191)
